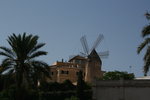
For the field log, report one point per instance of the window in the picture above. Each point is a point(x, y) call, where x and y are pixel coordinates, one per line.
point(67, 72)
point(52, 73)
point(64, 72)
point(77, 73)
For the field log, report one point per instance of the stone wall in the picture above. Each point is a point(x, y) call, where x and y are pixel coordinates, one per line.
point(121, 90)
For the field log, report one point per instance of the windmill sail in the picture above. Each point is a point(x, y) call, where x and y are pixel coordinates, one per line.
point(84, 44)
point(86, 52)
point(104, 54)
point(97, 42)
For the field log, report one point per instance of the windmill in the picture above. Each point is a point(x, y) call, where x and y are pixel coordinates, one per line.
point(86, 49)
point(94, 63)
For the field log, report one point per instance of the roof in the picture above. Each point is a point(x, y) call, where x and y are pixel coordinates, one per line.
point(94, 55)
point(61, 63)
point(77, 57)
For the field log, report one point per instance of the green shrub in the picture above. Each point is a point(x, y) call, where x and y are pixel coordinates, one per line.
point(67, 86)
point(117, 75)
point(72, 98)
point(47, 91)
point(59, 95)
point(12, 93)
point(55, 86)
point(88, 94)
point(83, 91)
point(8, 93)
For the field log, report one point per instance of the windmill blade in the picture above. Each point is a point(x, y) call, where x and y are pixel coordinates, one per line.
point(104, 54)
point(98, 40)
point(83, 54)
point(84, 44)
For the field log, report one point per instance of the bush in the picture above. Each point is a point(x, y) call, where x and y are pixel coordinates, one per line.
point(12, 93)
point(83, 91)
point(67, 86)
point(59, 95)
point(55, 86)
point(117, 75)
point(47, 91)
point(72, 98)
point(8, 93)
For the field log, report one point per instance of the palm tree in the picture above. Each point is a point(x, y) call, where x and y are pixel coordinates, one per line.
point(20, 59)
point(146, 44)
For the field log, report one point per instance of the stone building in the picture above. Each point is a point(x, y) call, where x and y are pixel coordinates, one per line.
point(90, 66)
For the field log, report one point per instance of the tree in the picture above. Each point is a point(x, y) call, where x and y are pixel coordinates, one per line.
point(72, 98)
point(80, 86)
point(20, 59)
point(145, 44)
point(117, 75)
point(67, 85)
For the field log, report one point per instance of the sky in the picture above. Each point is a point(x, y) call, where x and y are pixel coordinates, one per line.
point(61, 23)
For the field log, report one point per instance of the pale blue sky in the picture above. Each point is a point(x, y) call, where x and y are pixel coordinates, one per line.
point(61, 23)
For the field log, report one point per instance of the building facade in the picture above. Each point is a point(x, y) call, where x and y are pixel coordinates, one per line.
point(90, 67)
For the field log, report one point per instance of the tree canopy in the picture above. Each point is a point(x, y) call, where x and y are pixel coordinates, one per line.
point(117, 75)
point(20, 60)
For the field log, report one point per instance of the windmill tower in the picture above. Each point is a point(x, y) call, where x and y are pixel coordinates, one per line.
point(94, 63)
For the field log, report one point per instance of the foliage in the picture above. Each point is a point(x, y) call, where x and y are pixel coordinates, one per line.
point(61, 91)
point(62, 95)
point(6, 81)
point(20, 73)
point(67, 85)
point(54, 91)
point(20, 62)
point(19, 59)
point(83, 90)
point(145, 44)
point(72, 98)
point(55, 86)
point(11, 94)
point(117, 75)
point(59, 95)
point(80, 84)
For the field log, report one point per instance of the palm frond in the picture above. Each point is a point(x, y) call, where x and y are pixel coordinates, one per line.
point(20, 57)
point(147, 61)
point(12, 40)
point(33, 41)
point(5, 54)
point(39, 63)
point(7, 62)
point(41, 67)
point(10, 71)
point(38, 46)
point(146, 31)
point(5, 69)
point(29, 44)
point(147, 54)
point(8, 50)
point(143, 44)
point(146, 66)
point(147, 15)
point(37, 54)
